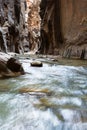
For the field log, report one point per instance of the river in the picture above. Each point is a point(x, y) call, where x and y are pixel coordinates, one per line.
point(52, 97)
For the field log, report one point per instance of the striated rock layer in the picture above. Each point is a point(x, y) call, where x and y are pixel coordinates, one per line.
point(64, 27)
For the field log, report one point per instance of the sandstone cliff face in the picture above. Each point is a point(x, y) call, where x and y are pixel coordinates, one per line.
point(33, 22)
point(64, 27)
point(12, 25)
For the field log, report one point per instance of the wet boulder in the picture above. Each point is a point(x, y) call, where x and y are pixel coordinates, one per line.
point(36, 64)
point(10, 68)
point(4, 71)
point(15, 66)
point(3, 67)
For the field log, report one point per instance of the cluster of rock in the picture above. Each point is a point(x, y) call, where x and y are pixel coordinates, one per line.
point(11, 67)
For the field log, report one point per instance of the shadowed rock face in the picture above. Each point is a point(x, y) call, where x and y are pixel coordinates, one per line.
point(2, 42)
point(17, 10)
point(64, 27)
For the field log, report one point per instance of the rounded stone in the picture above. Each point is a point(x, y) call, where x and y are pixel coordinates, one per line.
point(36, 64)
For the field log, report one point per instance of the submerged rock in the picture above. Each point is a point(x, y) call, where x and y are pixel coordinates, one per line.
point(36, 92)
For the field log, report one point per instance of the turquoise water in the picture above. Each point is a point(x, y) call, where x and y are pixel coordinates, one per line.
point(53, 97)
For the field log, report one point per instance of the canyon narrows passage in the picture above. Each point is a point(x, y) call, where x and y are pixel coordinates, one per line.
point(44, 84)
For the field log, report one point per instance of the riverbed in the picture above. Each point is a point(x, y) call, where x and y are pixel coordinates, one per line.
point(52, 97)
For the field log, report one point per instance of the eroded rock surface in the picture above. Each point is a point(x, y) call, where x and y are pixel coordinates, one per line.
point(64, 28)
point(12, 26)
point(33, 22)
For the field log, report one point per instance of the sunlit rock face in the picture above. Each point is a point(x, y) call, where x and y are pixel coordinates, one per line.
point(64, 27)
point(33, 22)
point(12, 25)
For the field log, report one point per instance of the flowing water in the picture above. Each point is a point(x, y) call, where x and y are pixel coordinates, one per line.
point(52, 97)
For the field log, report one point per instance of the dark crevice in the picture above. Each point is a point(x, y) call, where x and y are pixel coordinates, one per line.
point(57, 24)
point(17, 9)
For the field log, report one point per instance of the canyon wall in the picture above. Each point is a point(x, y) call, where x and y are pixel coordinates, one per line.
point(19, 25)
point(12, 26)
point(64, 27)
point(33, 22)
point(61, 28)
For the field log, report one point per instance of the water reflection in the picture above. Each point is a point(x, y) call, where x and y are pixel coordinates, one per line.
point(53, 97)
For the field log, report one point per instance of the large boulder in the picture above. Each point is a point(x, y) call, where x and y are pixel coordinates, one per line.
point(15, 66)
point(10, 68)
point(3, 67)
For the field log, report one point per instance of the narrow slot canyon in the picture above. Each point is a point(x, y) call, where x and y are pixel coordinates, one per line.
point(19, 26)
point(44, 27)
point(43, 64)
